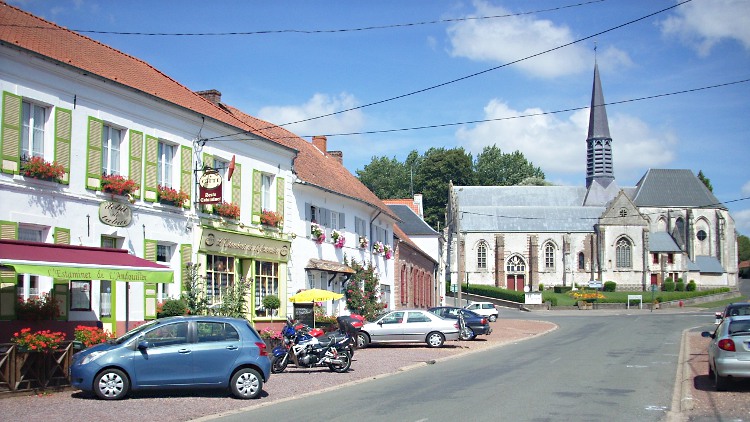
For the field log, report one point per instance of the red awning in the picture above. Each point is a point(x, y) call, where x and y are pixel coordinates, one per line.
point(80, 262)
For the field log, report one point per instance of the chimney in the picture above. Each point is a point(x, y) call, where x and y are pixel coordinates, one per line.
point(320, 142)
point(211, 95)
point(339, 155)
point(418, 203)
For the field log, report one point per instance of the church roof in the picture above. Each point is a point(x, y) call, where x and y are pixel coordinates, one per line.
point(705, 264)
point(673, 188)
point(529, 196)
point(598, 124)
point(662, 242)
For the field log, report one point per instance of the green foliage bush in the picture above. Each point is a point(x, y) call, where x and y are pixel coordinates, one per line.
point(562, 289)
point(668, 285)
point(679, 286)
point(271, 302)
point(172, 307)
point(691, 286)
point(541, 287)
point(610, 286)
point(495, 292)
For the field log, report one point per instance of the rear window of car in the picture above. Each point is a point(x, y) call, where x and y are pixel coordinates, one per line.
point(738, 310)
point(739, 327)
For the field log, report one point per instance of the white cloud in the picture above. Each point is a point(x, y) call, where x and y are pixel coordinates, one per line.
point(702, 24)
point(512, 38)
point(742, 221)
point(318, 105)
point(558, 145)
point(746, 188)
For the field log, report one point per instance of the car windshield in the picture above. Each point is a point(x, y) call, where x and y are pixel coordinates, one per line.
point(134, 332)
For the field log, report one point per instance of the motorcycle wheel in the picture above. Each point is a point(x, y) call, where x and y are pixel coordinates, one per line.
point(344, 357)
point(467, 334)
point(278, 363)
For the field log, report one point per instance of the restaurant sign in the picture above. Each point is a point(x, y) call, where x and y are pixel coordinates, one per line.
point(243, 246)
point(115, 214)
point(209, 187)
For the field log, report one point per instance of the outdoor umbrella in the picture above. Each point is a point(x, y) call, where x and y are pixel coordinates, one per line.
point(315, 295)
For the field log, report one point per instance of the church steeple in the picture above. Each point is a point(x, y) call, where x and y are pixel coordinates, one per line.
point(598, 143)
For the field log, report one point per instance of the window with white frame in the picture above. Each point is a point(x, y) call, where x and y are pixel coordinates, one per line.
point(164, 254)
point(32, 134)
point(219, 276)
point(623, 253)
point(27, 285)
point(105, 298)
point(111, 140)
point(165, 163)
point(222, 166)
point(549, 256)
point(360, 227)
point(267, 200)
point(80, 295)
point(482, 256)
point(266, 283)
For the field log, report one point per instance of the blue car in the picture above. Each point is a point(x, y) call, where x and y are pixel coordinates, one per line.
point(176, 352)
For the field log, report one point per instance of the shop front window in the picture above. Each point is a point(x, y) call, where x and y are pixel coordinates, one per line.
point(219, 276)
point(80, 295)
point(266, 283)
point(105, 299)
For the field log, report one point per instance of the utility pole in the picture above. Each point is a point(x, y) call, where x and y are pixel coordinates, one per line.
point(459, 247)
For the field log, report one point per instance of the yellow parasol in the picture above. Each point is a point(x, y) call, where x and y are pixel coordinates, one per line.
point(315, 295)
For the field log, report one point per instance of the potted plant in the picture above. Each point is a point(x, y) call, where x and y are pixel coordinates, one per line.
point(338, 239)
point(363, 242)
point(39, 341)
point(37, 168)
point(37, 309)
point(378, 248)
point(170, 196)
point(387, 251)
point(271, 218)
point(118, 185)
point(317, 233)
point(272, 303)
point(271, 337)
point(228, 210)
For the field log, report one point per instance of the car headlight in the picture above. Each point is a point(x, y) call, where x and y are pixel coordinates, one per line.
point(92, 357)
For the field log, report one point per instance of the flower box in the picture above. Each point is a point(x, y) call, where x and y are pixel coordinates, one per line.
point(228, 210)
point(271, 218)
point(171, 196)
point(37, 168)
point(118, 185)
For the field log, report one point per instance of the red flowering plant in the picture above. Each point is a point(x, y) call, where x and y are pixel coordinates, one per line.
point(91, 336)
point(40, 308)
point(271, 218)
point(227, 209)
point(338, 239)
point(40, 341)
point(118, 185)
point(171, 196)
point(37, 168)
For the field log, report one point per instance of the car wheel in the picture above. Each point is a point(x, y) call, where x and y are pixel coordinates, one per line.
point(363, 340)
point(493, 318)
point(435, 339)
point(720, 382)
point(111, 384)
point(278, 363)
point(346, 362)
point(246, 383)
point(467, 334)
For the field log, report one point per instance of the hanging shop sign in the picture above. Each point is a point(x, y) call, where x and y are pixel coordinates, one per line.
point(209, 187)
point(115, 214)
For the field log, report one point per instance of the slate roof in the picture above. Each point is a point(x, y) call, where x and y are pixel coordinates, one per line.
point(410, 223)
point(598, 123)
point(705, 264)
point(662, 242)
point(673, 188)
point(24, 31)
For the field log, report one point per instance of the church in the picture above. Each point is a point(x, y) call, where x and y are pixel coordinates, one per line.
point(668, 227)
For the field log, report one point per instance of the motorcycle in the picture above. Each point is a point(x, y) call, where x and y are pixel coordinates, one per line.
point(303, 350)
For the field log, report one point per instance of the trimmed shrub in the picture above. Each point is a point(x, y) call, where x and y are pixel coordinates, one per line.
point(172, 307)
point(691, 286)
point(610, 286)
point(679, 286)
point(668, 286)
point(562, 289)
point(541, 287)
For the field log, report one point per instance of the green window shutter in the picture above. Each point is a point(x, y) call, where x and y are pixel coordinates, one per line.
point(135, 163)
point(280, 196)
point(94, 154)
point(11, 133)
point(257, 205)
point(186, 257)
point(63, 125)
point(149, 289)
point(186, 174)
point(8, 230)
point(152, 167)
point(61, 286)
point(237, 185)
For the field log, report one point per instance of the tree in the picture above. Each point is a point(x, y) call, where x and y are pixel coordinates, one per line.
point(743, 248)
point(439, 166)
point(386, 178)
point(706, 181)
point(494, 168)
point(363, 291)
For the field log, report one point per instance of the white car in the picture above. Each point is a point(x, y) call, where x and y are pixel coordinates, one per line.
point(486, 309)
point(408, 326)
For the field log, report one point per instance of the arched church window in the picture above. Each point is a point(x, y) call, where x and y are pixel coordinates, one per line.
point(581, 261)
point(624, 253)
point(549, 256)
point(515, 265)
point(482, 256)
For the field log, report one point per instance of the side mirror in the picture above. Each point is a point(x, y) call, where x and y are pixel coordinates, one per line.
point(707, 334)
point(143, 345)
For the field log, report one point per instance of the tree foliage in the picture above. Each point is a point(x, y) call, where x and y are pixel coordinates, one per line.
point(743, 248)
point(363, 291)
point(495, 168)
point(706, 181)
point(439, 167)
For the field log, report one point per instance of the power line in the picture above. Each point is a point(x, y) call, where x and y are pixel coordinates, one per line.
point(440, 85)
point(312, 31)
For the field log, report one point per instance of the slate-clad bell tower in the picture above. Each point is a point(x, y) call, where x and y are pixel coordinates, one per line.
point(598, 143)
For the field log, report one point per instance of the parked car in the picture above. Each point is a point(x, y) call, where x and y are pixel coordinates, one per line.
point(732, 309)
point(477, 324)
point(487, 309)
point(408, 326)
point(729, 350)
point(176, 352)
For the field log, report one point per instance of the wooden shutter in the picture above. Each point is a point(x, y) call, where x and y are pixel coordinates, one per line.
point(135, 162)
point(186, 257)
point(280, 189)
point(11, 133)
point(63, 125)
point(94, 154)
point(150, 180)
point(342, 221)
point(8, 230)
point(237, 186)
point(186, 174)
point(149, 289)
point(257, 204)
point(61, 286)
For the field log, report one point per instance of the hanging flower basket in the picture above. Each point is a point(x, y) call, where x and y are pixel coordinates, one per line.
point(171, 196)
point(363, 242)
point(378, 248)
point(387, 251)
point(228, 210)
point(338, 239)
point(271, 218)
point(118, 185)
point(317, 233)
point(37, 168)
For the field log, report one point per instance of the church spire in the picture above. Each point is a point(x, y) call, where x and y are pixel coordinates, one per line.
point(598, 143)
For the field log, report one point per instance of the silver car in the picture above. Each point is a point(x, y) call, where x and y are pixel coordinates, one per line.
point(409, 326)
point(729, 350)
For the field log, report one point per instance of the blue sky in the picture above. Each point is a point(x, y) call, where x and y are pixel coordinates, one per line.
point(321, 68)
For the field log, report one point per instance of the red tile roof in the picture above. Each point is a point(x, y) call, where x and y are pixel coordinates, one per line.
point(22, 30)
